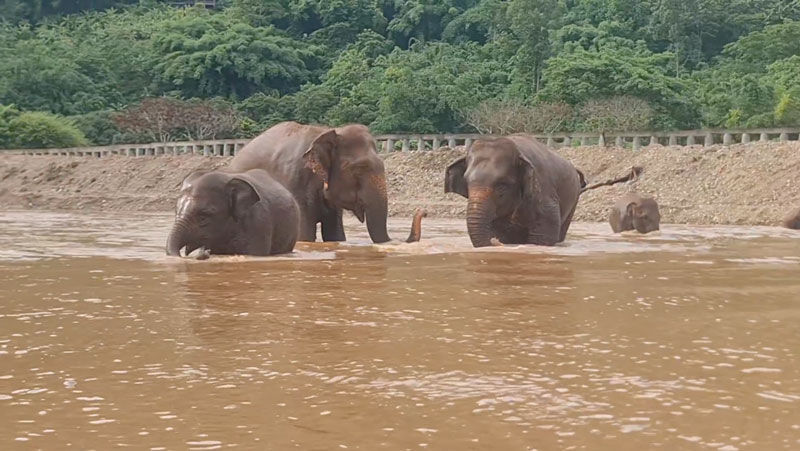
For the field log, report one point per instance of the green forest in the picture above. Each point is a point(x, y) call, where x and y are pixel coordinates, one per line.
point(105, 71)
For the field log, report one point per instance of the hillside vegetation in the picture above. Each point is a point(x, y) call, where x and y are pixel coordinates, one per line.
point(397, 66)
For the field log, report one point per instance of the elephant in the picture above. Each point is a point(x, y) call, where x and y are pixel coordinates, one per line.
point(793, 220)
point(519, 191)
point(247, 213)
point(634, 212)
point(326, 170)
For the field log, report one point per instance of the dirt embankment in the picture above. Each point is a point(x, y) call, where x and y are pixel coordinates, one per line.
point(743, 184)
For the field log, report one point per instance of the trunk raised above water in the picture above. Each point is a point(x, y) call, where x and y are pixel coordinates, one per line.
point(480, 214)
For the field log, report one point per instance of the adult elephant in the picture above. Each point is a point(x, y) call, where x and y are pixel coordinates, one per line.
point(326, 170)
point(246, 213)
point(519, 191)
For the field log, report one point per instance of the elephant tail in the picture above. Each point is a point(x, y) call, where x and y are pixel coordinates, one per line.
point(582, 178)
point(634, 174)
point(416, 226)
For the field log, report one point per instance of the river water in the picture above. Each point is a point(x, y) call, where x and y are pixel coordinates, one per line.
point(684, 339)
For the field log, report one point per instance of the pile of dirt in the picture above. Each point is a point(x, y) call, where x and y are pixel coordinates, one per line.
point(741, 184)
point(96, 184)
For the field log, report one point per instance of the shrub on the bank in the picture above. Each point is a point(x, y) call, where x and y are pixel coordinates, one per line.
point(619, 113)
point(7, 114)
point(509, 116)
point(163, 119)
point(37, 129)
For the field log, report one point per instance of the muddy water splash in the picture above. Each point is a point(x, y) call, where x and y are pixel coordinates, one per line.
point(684, 339)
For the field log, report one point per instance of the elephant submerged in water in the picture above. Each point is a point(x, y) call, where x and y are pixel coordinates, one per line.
point(246, 213)
point(634, 212)
point(519, 191)
point(327, 170)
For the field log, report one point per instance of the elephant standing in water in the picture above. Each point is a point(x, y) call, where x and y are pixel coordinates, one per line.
point(633, 211)
point(326, 170)
point(519, 191)
point(793, 220)
point(245, 213)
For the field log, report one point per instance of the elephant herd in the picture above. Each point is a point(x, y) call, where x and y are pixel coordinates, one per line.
point(295, 176)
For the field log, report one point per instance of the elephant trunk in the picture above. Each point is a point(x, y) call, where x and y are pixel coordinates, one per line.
point(377, 208)
point(416, 226)
point(480, 213)
point(177, 238)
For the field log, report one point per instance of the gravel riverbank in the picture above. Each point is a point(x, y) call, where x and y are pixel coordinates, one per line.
point(742, 184)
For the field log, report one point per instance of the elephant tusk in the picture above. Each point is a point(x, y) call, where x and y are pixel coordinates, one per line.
point(204, 253)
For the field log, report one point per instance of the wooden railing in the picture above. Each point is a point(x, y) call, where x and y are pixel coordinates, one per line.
point(423, 142)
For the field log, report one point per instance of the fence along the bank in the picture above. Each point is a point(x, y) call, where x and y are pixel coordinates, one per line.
point(421, 142)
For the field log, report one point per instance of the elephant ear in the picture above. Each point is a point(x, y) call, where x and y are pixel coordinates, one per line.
point(530, 184)
point(241, 197)
point(632, 210)
point(454, 181)
point(319, 155)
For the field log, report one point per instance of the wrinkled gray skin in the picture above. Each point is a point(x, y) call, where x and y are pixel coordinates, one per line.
point(634, 212)
point(326, 170)
point(519, 191)
point(246, 213)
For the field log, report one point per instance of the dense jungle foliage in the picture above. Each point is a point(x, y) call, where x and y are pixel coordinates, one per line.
point(396, 65)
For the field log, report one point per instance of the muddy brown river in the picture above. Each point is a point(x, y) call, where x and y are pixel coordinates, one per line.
point(685, 339)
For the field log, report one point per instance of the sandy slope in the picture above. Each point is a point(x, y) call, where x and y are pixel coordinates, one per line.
point(752, 184)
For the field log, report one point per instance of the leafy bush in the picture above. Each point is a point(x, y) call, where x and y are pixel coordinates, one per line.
point(7, 114)
point(32, 130)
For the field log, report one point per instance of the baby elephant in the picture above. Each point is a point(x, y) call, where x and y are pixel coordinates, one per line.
point(793, 220)
point(633, 211)
point(246, 213)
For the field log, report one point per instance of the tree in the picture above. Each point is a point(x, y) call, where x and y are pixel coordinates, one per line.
point(754, 82)
point(203, 54)
point(578, 75)
point(530, 23)
point(424, 20)
point(36, 10)
point(680, 22)
point(333, 23)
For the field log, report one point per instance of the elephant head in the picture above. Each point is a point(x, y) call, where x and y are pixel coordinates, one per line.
point(497, 179)
point(213, 211)
point(644, 215)
point(793, 220)
point(353, 175)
